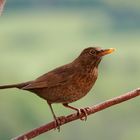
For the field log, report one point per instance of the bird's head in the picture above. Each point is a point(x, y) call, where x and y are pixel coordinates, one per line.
point(93, 55)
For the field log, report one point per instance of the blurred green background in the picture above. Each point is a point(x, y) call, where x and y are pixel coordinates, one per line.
point(39, 35)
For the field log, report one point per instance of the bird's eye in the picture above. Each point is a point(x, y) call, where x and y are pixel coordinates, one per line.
point(92, 52)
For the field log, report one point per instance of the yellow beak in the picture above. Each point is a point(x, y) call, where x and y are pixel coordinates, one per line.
point(106, 51)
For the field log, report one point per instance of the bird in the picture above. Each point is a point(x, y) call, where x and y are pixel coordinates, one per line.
point(67, 83)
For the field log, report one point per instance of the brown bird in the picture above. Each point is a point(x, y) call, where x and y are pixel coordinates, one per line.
point(67, 83)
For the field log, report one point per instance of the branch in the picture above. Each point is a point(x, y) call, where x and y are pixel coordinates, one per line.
point(2, 3)
point(93, 109)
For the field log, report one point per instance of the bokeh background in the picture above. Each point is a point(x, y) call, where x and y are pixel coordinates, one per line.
point(39, 35)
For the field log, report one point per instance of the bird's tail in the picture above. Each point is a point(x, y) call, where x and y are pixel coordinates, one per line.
point(21, 85)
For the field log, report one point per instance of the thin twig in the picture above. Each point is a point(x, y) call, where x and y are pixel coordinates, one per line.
point(2, 3)
point(93, 109)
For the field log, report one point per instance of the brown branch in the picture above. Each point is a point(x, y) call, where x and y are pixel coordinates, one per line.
point(2, 3)
point(47, 127)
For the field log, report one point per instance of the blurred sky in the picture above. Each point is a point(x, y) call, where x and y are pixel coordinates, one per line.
point(39, 35)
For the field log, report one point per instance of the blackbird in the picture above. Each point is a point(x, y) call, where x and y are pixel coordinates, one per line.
point(69, 82)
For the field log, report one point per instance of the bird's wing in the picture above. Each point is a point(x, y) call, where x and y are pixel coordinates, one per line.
point(53, 78)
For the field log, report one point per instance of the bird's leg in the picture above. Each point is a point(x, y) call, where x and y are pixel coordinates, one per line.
point(57, 120)
point(79, 111)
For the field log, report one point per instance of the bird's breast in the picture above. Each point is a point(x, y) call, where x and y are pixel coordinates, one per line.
point(81, 85)
point(86, 79)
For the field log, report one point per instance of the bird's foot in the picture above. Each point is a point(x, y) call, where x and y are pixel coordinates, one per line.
point(58, 122)
point(83, 111)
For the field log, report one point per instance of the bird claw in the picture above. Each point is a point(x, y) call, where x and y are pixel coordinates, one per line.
point(83, 111)
point(58, 122)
